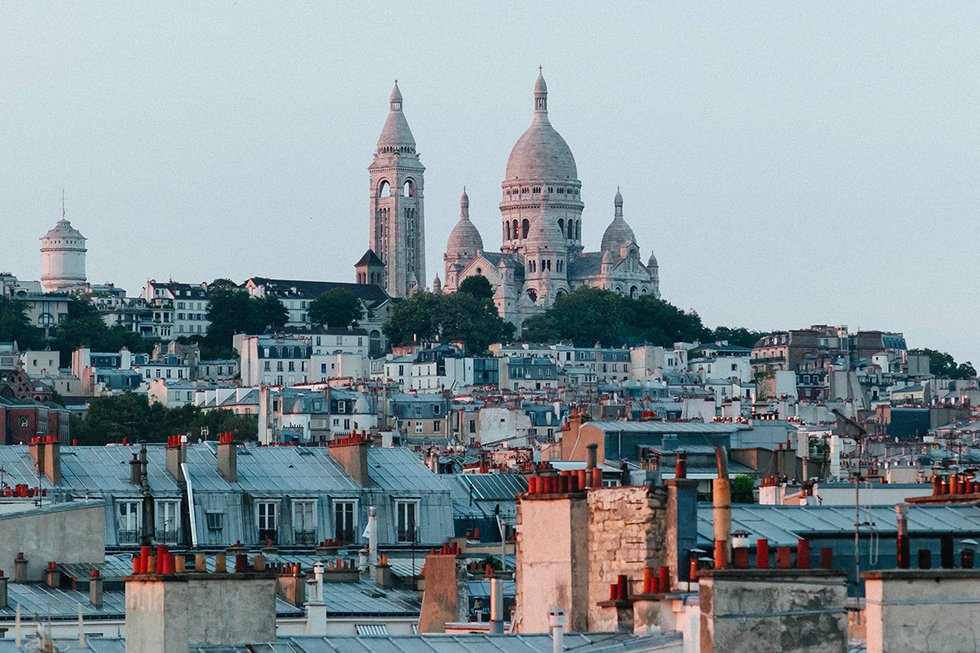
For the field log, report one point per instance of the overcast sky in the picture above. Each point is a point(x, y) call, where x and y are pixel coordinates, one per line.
point(788, 163)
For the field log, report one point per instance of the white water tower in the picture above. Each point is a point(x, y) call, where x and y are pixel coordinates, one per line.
point(62, 257)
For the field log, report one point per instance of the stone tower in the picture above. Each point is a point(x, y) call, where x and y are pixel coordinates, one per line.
point(541, 173)
point(62, 257)
point(397, 218)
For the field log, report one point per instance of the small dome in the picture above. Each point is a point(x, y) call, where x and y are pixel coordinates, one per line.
point(541, 154)
point(396, 130)
point(652, 262)
point(464, 239)
point(540, 86)
point(63, 229)
point(618, 233)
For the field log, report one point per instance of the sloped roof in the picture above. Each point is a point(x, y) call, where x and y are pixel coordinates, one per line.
point(367, 292)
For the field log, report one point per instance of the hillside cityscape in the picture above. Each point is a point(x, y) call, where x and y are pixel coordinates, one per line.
point(533, 448)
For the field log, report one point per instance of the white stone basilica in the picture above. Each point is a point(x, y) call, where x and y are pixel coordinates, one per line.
point(541, 226)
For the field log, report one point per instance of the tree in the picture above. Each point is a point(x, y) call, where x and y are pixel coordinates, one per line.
point(591, 315)
point(738, 336)
point(458, 316)
point(337, 307)
point(477, 286)
point(15, 326)
point(742, 489)
point(414, 319)
point(943, 365)
point(85, 327)
point(233, 311)
point(133, 416)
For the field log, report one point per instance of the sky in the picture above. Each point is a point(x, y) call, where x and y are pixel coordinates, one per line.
point(788, 163)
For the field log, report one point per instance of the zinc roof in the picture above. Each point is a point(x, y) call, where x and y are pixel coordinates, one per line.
point(784, 525)
point(664, 427)
point(400, 469)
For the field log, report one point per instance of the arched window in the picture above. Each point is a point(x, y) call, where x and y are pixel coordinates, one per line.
point(507, 225)
point(525, 227)
point(561, 225)
point(533, 294)
point(384, 188)
point(578, 230)
point(514, 231)
point(408, 190)
point(633, 292)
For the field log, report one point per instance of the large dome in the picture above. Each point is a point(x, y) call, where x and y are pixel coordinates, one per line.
point(541, 154)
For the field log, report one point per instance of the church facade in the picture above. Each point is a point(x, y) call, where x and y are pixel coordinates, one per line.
point(541, 255)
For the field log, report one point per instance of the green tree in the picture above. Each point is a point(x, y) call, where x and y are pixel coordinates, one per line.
point(477, 286)
point(414, 319)
point(943, 365)
point(742, 489)
point(458, 316)
point(738, 336)
point(16, 326)
point(233, 311)
point(133, 416)
point(338, 307)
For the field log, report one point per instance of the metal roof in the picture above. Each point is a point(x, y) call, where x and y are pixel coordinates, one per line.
point(270, 469)
point(665, 427)
point(784, 525)
point(400, 469)
point(468, 643)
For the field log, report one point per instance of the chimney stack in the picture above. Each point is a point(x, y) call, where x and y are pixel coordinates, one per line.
point(95, 589)
point(721, 497)
point(52, 459)
point(20, 568)
point(52, 577)
point(228, 457)
point(134, 470)
point(3, 590)
point(496, 606)
point(176, 456)
point(351, 454)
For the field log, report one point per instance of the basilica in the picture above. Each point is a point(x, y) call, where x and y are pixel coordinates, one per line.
point(541, 255)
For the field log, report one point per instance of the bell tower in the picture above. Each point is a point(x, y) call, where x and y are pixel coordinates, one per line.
point(397, 219)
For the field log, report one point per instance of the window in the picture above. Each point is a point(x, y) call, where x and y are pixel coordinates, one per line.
point(406, 515)
point(436, 426)
point(167, 518)
point(304, 521)
point(345, 520)
point(129, 521)
point(268, 521)
point(418, 426)
point(215, 520)
point(267, 367)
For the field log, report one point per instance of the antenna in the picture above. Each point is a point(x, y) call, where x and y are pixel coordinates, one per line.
point(62, 202)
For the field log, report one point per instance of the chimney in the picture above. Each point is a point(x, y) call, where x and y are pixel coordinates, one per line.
point(52, 459)
point(351, 454)
point(176, 456)
point(134, 470)
point(440, 602)
point(721, 498)
point(3, 590)
point(36, 449)
point(228, 457)
point(384, 577)
point(95, 589)
point(52, 577)
point(20, 568)
point(496, 606)
point(292, 584)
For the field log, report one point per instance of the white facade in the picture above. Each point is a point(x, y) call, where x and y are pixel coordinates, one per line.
point(62, 257)
point(275, 361)
point(651, 363)
point(354, 366)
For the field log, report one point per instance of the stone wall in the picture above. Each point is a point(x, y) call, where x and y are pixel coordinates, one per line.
point(922, 610)
point(62, 533)
point(773, 611)
point(627, 532)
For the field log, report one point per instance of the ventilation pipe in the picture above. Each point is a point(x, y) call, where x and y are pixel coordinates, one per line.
point(721, 494)
point(496, 606)
point(590, 463)
point(557, 621)
point(372, 529)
